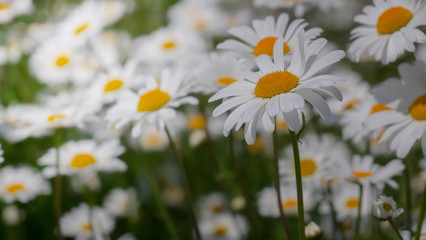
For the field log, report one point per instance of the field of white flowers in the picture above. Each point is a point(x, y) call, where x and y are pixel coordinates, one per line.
point(212, 119)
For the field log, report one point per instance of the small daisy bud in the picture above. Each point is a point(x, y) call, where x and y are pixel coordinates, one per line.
point(384, 208)
point(313, 231)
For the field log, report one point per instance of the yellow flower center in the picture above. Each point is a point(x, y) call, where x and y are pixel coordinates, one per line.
point(81, 28)
point(217, 208)
point(393, 19)
point(266, 46)
point(351, 104)
point(52, 118)
point(4, 6)
point(82, 160)
point(113, 85)
point(291, 203)
point(196, 122)
point(308, 167)
point(352, 203)
point(153, 100)
point(87, 227)
point(226, 81)
point(169, 45)
point(378, 108)
point(362, 174)
point(153, 140)
point(16, 187)
point(275, 83)
point(386, 206)
point(61, 61)
point(418, 108)
point(200, 25)
point(220, 230)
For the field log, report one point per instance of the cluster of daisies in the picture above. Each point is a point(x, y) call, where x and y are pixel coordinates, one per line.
point(218, 71)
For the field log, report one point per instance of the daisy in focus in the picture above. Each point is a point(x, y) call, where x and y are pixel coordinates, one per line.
point(407, 124)
point(154, 103)
point(280, 89)
point(84, 156)
point(389, 28)
point(262, 37)
point(21, 184)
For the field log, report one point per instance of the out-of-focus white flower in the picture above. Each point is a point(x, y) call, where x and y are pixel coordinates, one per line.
point(312, 231)
point(36, 33)
point(12, 215)
point(389, 28)
point(127, 236)
point(114, 10)
point(21, 184)
point(300, 6)
point(213, 204)
point(384, 208)
point(1, 154)
point(346, 201)
point(223, 226)
point(121, 202)
point(84, 156)
point(9, 9)
point(83, 222)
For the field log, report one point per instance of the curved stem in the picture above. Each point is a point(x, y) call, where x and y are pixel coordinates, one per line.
point(358, 219)
point(57, 185)
point(392, 223)
point(185, 180)
point(298, 171)
point(421, 216)
point(283, 218)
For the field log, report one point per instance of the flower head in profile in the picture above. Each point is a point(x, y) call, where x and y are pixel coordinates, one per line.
point(389, 28)
point(384, 208)
point(280, 89)
point(154, 103)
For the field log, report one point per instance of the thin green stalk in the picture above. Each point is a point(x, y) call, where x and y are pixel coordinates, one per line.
point(185, 180)
point(163, 211)
point(236, 168)
point(422, 215)
point(358, 219)
point(392, 223)
point(333, 212)
point(283, 218)
point(57, 185)
point(297, 168)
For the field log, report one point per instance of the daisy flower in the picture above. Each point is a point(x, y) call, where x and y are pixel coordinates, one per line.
point(154, 103)
point(223, 226)
point(10, 9)
point(12, 215)
point(83, 222)
point(280, 89)
point(112, 11)
point(389, 28)
point(346, 201)
point(84, 156)
point(213, 204)
point(262, 37)
point(363, 170)
point(316, 153)
point(21, 184)
point(384, 208)
point(121, 202)
point(405, 125)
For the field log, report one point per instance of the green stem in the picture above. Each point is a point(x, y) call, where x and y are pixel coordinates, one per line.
point(392, 223)
point(57, 185)
point(283, 218)
point(185, 180)
point(421, 216)
point(336, 226)
point(240, 180)
point(163, 211)
point(358, 219)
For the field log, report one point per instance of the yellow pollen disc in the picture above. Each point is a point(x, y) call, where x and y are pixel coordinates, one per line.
point(4, 6)
point(387, 206)
point(196, 122)
point(13, 188)
point(113, 85)
point(308, 167)
point(351, 104)
point(153, 100)
point(81, 28)
point(275, 83)
point(292, 203)
point(201, 25)
point(393, 19)
point(281, 125)
point(82, 160)
point(378, 108)
point(418, 108)
point(256, 146)
point(220, 230)
point(87, 227)
point(52, 118)
point(62, 61)
point(169, 45)
point(352, 203)
point(266, 46)
point(217, 208)
point(362, 174)
point(226, 81)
